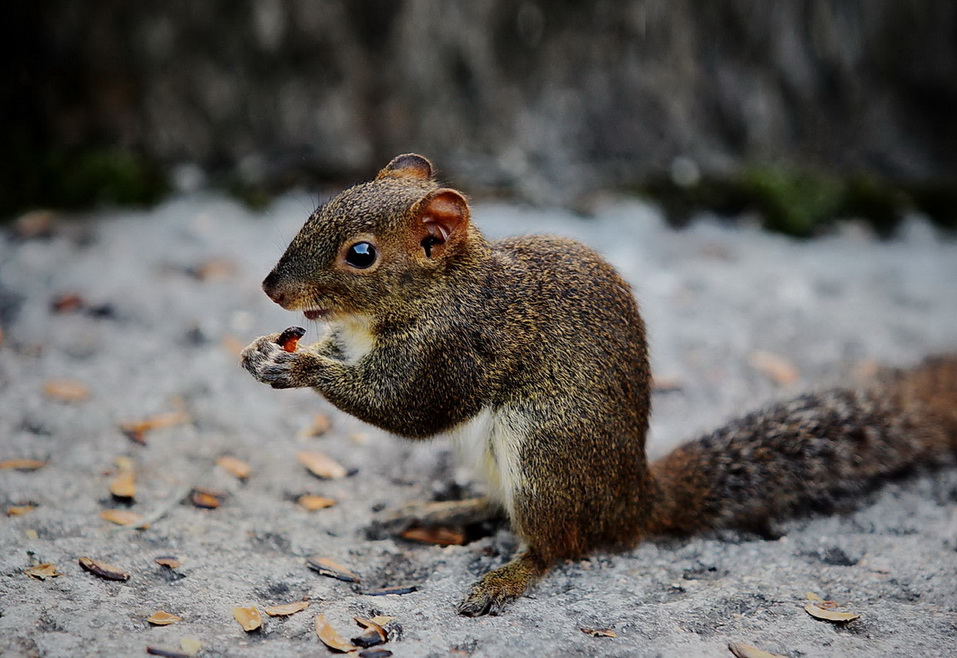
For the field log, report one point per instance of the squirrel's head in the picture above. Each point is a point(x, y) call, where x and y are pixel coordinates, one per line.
point(375, 245)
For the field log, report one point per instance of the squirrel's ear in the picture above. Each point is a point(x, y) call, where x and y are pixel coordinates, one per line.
point(408, 165)
point(441, 216)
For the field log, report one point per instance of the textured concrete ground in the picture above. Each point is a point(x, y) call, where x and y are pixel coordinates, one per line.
point(166, 296)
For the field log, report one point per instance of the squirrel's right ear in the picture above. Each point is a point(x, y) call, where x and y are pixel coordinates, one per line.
point(408, 165)
point(439, 219)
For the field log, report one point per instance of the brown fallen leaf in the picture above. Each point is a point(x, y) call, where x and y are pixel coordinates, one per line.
point(320, 425)
point(205, 499)
point(35, 224)
point(31, 533)
point(286, 609)
point(599, 632)
point(322, 466)
point(168, 561)
point(42, 571)
point(102, 569)
point(123, 484)
point(313, 503)
point(830, 615)
point(160, 618)
point(166, 653)
point(234, 466)
point(23, 464)
point(327, 567)
point(811, 596)
point(391, 591)
point(190, 645)
point(436, 535)
point(20, 510)
point(121, 516)
point(66, 390)
point(330, 637)
point(217, 268)
point(67, 303)
point(373, 634)
point(137, 430)
point(742, 650)
point(248, 618)
point(666, 384)
point(775, 367)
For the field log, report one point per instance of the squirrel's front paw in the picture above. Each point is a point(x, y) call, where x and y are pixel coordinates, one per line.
point(268, 362)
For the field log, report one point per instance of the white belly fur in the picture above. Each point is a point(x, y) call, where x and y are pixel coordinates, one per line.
point(490, 444)
point(354, 336)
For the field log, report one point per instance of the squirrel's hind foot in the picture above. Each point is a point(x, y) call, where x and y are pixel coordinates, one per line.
point(501, 586)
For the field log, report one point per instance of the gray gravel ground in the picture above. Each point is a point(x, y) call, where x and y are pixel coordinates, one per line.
point(712, 296)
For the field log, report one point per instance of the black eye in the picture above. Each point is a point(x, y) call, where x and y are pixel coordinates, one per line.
point(361, 255)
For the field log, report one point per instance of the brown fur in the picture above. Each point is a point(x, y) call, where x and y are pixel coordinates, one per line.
point(543, 331)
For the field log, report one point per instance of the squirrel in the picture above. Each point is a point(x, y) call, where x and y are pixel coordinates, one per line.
point(531, 354)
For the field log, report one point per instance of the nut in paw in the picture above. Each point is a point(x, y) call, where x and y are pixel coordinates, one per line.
point(269, 363)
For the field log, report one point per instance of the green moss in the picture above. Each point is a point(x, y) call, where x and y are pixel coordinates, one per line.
point(80, 180)
point(802, 203)
point(795, 203)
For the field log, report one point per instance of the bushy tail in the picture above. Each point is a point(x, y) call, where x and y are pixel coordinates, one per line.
point(803, 454)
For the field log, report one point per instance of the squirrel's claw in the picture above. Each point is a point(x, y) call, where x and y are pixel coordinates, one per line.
point(501, 586)
point(268, 362)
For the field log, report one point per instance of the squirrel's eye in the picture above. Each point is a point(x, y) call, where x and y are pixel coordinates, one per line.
point(361, 255)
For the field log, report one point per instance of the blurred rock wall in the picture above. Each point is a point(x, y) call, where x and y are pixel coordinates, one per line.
point(531, 96)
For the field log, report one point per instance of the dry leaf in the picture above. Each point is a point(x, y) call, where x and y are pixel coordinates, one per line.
point(190, 645)
point(830, 615)
point(20, 510)
point(102, 569)
point(385, 591)
point(327, 567)
point(123, 485)
point(313, 503)
point(23, 464)
point(322, 466)
point(166, 653)
point(234, 466)
point(436, 535)
point(320, 425)
point(137, 430)
point(67, 303)
point(599, 632)
point(42, 571)
point(67, 390)
point(775, 367)
point(233, 345)
point(373, 634)
point(31, 533)
point(168, 561)
point(742, 650)
point(35, 224)
point(811, 596)
point(218, 268)
point(160, 618)
point(330, 637)
point(248, 618)
point(286, 609)
point(205, 499)
point(121, 516)
point(666, 384)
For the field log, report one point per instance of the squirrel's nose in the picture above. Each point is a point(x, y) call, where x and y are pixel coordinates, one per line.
point(271, 288)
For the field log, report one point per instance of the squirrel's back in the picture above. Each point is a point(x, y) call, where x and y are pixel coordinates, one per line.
point(806, 453)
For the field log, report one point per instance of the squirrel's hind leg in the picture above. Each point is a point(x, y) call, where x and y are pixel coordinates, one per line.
point(500, 586)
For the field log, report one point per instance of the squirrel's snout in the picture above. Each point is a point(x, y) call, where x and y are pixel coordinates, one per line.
point(271, 288)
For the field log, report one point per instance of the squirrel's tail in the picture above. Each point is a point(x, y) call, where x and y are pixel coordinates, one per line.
point(803, 454)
